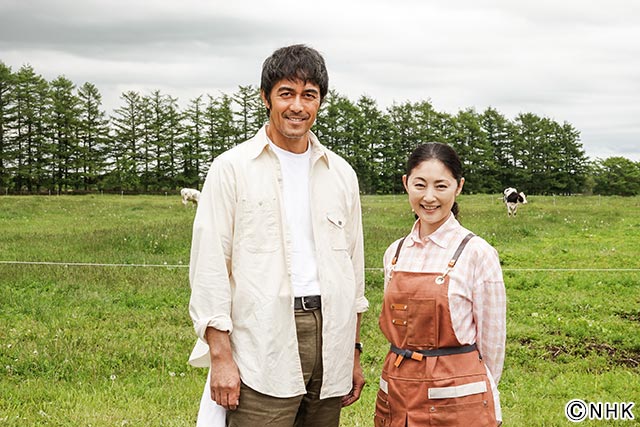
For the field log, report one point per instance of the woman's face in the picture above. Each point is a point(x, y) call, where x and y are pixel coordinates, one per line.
point(432, 190)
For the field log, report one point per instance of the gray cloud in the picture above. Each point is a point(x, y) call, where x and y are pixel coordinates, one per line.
point(574, 61)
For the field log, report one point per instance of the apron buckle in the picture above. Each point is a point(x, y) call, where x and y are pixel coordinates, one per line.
point(398, 361)
point(416, 356)
point(407, 353)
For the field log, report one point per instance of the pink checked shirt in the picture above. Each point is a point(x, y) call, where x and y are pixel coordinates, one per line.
point(477, 297)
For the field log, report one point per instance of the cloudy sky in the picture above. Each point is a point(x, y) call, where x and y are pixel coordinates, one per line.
point(569, 60)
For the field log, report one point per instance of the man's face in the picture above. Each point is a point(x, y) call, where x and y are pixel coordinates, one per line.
point(294, 106)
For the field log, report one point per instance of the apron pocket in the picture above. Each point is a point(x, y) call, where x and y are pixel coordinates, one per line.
point(469, 403)
point(382, 417)
point(422, 327)
point(478, 413)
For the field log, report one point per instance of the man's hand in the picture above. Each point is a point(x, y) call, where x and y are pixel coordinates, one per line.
point(358, 383)
point(225, 383)
point(225, 377)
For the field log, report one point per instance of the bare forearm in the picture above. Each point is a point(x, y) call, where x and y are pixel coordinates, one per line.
point(219, 344)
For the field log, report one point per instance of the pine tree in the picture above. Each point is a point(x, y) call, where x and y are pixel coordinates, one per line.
point(404, 137)
point(220, 130)
point(175, 140)
point(126, 144)
point(250, 111)
point(31, 148)
point(93, 135)
point(572, 159)
point(476, 153)
point(193, 152)
point(7, 116)
point(499, 133)
point(156, 140)
point(371, 135)
point(64, 125)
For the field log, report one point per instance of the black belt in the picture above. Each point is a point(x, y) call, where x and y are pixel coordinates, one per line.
point(420, 354)
point(307, 303)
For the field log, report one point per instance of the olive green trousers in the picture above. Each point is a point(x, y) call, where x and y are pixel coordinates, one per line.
point(257, 409)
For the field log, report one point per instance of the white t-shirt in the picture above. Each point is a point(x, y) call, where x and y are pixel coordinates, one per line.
point(295, 191)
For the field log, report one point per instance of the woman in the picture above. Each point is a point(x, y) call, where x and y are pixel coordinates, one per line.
point(443, 310)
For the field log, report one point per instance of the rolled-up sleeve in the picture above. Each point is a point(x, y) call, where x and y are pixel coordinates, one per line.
point(209, 267)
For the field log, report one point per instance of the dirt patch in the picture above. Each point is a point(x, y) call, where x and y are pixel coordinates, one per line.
point(525, 341)
point(632, 316)
point(628, 358)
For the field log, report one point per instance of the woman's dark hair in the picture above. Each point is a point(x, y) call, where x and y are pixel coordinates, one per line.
point(296, 62)
point(437, 151)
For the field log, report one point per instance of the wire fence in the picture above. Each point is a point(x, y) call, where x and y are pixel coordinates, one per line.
point(91, 264)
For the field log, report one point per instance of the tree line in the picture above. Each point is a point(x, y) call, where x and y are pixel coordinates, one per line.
point(57, 137)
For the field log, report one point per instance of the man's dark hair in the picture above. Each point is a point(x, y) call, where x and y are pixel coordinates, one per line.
point(296, 62)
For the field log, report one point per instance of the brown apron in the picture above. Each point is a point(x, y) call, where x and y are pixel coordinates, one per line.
point(428, 377)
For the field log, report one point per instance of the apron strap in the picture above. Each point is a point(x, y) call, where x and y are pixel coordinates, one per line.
point(453, 261)
point(395, 257)
point(456, 255)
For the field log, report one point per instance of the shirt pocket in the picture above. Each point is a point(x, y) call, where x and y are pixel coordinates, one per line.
point(258, 225)
point(337, 235)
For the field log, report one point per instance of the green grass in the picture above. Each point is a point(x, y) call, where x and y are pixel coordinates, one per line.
point(107, 346)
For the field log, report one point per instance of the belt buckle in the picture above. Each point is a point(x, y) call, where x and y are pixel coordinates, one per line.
point(304, 304)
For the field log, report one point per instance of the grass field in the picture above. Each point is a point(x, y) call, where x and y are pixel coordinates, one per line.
point(107, 345)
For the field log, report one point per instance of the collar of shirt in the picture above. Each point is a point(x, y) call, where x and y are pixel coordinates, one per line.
point(259, 144)
point(440, 237)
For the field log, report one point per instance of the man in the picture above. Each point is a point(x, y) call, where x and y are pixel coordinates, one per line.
point(277, 263)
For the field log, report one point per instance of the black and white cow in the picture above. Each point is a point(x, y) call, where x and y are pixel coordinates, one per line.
point(512, 198)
